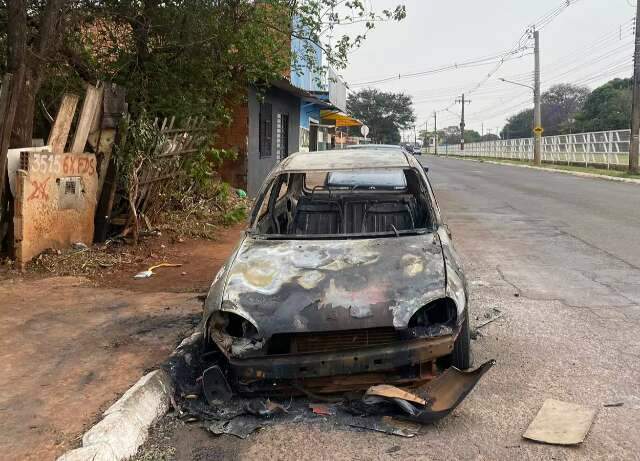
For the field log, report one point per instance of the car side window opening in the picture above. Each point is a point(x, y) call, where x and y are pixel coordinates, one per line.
point(339, 203)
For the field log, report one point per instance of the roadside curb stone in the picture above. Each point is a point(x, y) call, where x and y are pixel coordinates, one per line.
point(126, 423)
point(553, 170)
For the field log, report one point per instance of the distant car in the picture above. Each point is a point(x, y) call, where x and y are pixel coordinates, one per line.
point(346, 269)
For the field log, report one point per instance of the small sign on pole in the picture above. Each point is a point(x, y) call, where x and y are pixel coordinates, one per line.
point(538, 130)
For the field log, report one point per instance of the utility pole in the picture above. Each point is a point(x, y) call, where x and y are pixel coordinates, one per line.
point(463, 101)
point(537, 111)
point(634, 148)
point(435, 133)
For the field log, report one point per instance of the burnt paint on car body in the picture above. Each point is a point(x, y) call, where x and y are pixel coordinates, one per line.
point(313, 285)
point(287, 286)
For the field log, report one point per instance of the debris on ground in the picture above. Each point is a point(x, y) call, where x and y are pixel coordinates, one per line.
point(381, 408)
point(322, 409)
point(149, 272)
point(491, 316)
point(241, 427)
point(265, 409)
point(441, 396)
point(389, 425)
point(560, 423)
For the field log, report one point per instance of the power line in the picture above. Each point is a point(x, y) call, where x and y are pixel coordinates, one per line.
point(472, 63)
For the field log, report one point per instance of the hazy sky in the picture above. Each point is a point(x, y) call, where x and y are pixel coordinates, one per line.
point(588, 43)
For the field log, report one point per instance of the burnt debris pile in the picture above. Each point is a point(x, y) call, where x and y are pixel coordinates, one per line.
point(204, 394)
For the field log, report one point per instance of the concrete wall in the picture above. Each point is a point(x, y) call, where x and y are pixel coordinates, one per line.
point(55, 202)
point(282, 103)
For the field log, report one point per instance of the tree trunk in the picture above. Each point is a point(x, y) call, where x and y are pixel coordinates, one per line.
point(23, 122)
point(32, 56)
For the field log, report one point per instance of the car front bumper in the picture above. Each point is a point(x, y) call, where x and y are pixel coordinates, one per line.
point(348, 362)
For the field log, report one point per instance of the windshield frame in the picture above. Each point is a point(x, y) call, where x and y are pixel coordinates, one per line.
point(271, 186)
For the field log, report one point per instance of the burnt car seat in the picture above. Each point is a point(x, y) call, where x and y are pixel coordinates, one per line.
point(385, 216)
point(317, 217)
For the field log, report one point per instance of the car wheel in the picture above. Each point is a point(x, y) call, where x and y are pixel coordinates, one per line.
point(461, 355)
point(462, 348)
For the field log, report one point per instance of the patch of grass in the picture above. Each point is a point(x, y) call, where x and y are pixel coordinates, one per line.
point(236, 215)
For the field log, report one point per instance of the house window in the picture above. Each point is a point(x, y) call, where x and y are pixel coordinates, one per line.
point(282, 135)
point(265, 133)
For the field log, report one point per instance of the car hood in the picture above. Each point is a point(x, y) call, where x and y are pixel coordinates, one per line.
point(287, 286)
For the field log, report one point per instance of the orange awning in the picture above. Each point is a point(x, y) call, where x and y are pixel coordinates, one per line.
point(340, 118)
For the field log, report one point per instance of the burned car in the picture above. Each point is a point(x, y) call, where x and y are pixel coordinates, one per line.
point(345, 277)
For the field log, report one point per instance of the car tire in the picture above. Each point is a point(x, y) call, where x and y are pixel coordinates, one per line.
point(461, 355)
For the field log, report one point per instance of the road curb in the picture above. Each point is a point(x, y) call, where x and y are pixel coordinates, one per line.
point(125, 424)
point(553, 170)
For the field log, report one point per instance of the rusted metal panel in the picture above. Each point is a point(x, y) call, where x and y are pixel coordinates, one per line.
point(342, 363)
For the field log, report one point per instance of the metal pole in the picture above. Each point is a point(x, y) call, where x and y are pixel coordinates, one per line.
point(634, 148)
point(435, 133)
point(462, 126)
point(537, 112)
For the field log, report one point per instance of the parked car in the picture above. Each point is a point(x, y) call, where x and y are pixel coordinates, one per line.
point(346, 269)
point(376, 147)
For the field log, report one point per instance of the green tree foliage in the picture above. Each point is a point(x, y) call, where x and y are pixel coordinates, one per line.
point(560, 105)
point(606, 108)
point(176, 57)
point(384, 113)
point(519, 125)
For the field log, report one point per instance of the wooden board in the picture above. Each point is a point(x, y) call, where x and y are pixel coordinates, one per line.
point(90, 106)
point(62, 123)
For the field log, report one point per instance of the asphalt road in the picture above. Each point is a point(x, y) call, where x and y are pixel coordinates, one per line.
point(559, 257)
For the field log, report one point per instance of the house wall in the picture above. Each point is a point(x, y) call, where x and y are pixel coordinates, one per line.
point(235, 137)
point(282, 103)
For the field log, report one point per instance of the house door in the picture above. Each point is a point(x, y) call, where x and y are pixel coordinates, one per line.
point(313, 138)
point(283, 136)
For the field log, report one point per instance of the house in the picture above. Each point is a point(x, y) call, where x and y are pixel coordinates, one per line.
point(299, 112)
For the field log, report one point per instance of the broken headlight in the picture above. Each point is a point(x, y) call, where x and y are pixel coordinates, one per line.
point(435, 319)
point(234, 325)
point(235, 334)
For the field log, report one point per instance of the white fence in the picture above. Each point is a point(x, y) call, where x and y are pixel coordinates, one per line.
point(603, 148)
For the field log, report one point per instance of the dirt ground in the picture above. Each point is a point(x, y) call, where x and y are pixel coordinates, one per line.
point(70, 346)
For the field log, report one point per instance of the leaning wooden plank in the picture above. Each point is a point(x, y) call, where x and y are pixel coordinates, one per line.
point(62, 124)
point(96, 124)
point(87, 114)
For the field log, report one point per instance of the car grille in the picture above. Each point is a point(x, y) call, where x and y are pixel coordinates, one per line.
point(332, 341)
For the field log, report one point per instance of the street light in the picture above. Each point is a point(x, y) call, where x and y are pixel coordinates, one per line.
point(537, 122)
point(516, 83)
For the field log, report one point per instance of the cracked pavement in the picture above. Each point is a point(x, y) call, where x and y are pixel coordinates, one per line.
point(559, 256)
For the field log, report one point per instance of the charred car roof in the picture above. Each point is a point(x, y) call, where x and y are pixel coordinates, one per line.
point(346, 160)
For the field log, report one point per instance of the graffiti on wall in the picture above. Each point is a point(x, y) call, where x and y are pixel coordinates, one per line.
point(39, 189)
point(62, 164)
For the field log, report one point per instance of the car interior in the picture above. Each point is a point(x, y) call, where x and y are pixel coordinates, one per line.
point(344, 203)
